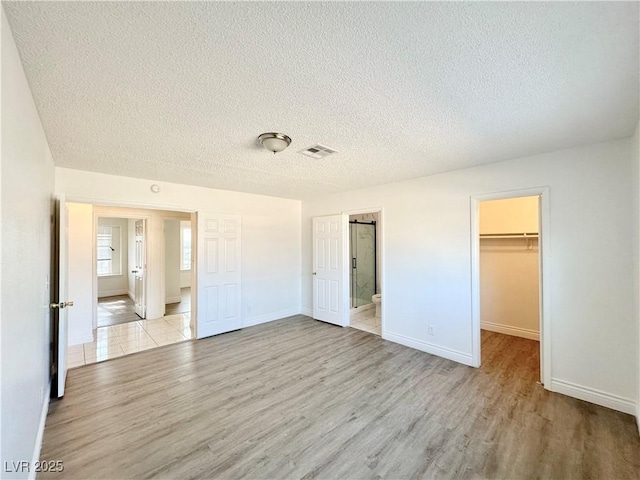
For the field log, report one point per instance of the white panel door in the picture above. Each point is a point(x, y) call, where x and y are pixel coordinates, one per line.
point(60, 302)
point(140, 270)
point(328, 266)
point(218, 274)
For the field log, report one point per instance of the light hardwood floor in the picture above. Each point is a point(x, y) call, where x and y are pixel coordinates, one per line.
point(116, 311)
point(297, 398)
point(183, 306)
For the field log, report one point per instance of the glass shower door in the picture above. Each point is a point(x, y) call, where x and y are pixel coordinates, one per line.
point(363, 263)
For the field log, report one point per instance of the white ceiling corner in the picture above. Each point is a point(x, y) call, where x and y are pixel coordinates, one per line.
point(179, 91)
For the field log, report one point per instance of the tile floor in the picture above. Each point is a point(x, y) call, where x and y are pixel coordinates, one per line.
point(365, 320)
point(118, 340)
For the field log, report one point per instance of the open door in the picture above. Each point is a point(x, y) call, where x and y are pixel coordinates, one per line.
point(140, 270)
point(541, 303)
point(328, 258)
point(218, 274)
point(59, 302)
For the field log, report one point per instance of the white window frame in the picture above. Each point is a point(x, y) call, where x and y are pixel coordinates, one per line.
point(116, 254)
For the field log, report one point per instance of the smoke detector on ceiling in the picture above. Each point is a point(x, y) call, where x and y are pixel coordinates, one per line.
point(317, 151)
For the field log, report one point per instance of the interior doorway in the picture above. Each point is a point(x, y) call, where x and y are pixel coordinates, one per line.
point(364, 274)
point(120, 270)
point(332, 274)
point(508, 284)
point(129, 291)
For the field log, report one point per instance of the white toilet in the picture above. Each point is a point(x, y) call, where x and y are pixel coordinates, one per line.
point(377, 300)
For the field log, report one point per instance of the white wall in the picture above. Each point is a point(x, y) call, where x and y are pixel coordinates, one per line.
point(27, 188)
point(270, 231)
point(510, 215)
point(118, 284)
point(427, 262)
point(509, 281)
point(80, 256)
point(172, 261)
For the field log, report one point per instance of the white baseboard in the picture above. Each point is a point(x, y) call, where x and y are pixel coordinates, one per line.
point(508, 330)
point(113, 293)
point(444, 352)
point(176, 299)
point(80, 340)
point(306, 311)
point(592, 395)
point(43, 420)
point(269, 317)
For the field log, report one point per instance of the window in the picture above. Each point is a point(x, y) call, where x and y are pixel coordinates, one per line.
point(108, 255)
point(185, 246)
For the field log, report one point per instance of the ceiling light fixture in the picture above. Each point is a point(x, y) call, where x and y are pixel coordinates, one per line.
point(274, 142)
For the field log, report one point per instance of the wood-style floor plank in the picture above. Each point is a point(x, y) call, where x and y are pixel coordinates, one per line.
point(298, 398)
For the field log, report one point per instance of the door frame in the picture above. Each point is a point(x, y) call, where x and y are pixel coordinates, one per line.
point(346, 241)
point(544, 275)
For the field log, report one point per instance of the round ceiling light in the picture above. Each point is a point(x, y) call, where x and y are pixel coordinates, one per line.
point(274, 142)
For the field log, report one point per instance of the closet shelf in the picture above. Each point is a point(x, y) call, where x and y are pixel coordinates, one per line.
point(509, 235)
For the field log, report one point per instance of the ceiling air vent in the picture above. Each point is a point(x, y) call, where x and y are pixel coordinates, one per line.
point(317, 151)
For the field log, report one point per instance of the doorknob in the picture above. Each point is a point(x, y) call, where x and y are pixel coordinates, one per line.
point(134, 271)
point(314, 273)
point(62, 305)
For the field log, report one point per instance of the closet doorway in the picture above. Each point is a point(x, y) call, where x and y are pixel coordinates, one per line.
point(507, 281)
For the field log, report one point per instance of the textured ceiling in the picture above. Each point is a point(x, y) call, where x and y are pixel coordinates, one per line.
point(179, 91)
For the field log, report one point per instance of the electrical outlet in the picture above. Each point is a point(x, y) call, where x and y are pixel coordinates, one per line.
point(431, 329)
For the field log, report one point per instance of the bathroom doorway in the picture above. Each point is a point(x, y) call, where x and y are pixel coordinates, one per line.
point(364, 273)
